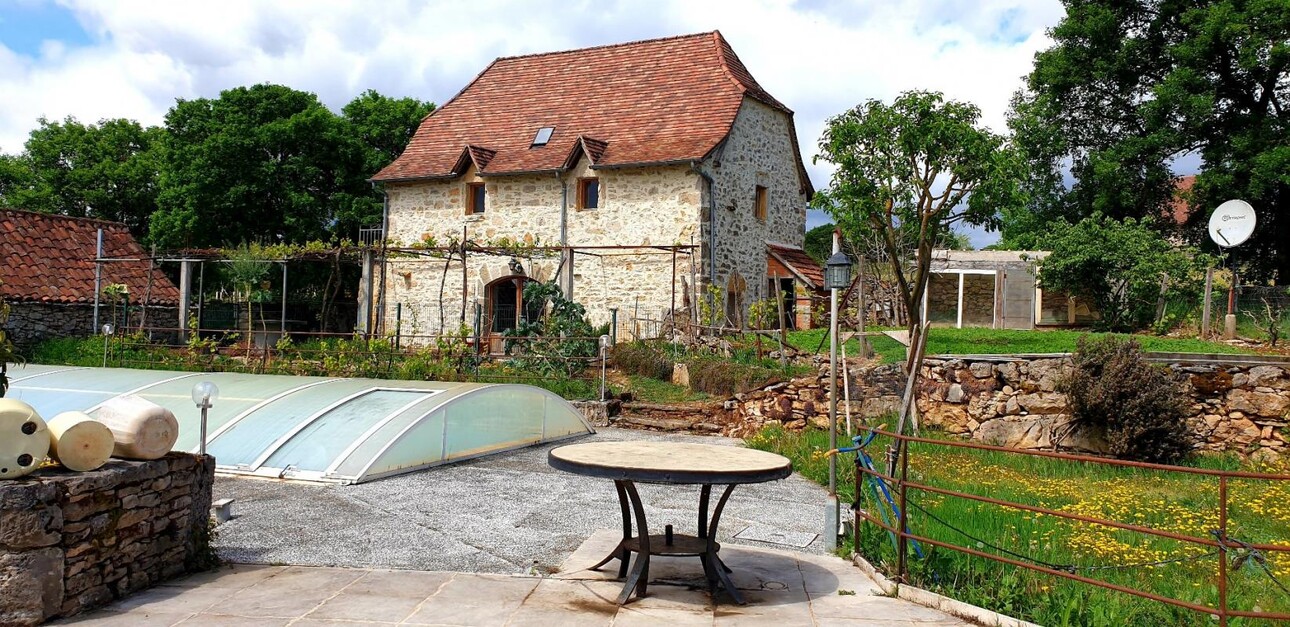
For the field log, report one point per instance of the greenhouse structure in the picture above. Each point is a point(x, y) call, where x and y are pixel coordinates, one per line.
point(318, 428)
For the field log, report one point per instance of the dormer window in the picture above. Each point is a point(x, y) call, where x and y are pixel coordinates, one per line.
point(543, 136)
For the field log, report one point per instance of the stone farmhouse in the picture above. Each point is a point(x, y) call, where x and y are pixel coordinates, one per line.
point(636, 175)
point(47, 276)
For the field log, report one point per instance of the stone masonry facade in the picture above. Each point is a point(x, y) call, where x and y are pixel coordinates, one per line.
point(31, 323)
point(758, 151)
point(70, 542)
point(1014, 402)
point(639, 206)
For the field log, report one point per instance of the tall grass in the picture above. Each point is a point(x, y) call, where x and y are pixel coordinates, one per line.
point(1259, 512)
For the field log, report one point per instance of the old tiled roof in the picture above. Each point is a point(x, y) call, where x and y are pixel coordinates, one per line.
point(670, 100)
point(48, 258)
point(1180, 205)
point(800, 263)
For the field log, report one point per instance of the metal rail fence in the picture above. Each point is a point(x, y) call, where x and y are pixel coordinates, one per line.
point(1221, 545)
point(450, 357)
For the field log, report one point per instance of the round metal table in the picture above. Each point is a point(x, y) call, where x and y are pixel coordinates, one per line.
point(627, 463)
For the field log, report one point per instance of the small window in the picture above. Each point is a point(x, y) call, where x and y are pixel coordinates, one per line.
point(588, 193)
point(543, 135)
point(759, 206)
point(474, 198)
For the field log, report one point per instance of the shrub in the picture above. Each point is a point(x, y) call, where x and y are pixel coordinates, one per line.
point(1137, 405)
point(553, 337)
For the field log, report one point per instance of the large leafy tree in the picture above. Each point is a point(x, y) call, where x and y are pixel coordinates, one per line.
point(1129, 87)
point(263, 163)
point(382, 127)
point(106, 170)
point(908, 171)
point(272, 164)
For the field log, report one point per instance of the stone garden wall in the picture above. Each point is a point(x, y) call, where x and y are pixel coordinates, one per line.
point(31, 323)
point(1014, 402)
point(70, 542)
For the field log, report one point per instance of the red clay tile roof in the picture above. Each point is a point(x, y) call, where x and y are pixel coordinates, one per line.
point(670, 100)
point(50, 258)
point(1180, 204)
point(800, 263)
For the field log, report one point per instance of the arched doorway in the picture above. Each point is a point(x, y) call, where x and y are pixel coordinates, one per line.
point(503, 304)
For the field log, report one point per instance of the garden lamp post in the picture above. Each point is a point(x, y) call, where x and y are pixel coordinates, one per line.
point(204, 396)
point(604, 357)
point(837, 276)
point(107, 337)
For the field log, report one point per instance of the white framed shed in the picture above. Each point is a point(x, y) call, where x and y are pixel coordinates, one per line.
point(998, 289)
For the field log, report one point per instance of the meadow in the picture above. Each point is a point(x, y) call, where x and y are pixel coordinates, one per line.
point(1184, 504)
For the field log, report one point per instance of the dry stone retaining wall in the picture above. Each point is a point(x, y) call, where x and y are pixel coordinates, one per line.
point(70, 542)
point(1015, 403)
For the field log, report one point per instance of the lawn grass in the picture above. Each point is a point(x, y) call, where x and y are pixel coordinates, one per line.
point(809, 341)
point(981, 341)
point(1259, 511)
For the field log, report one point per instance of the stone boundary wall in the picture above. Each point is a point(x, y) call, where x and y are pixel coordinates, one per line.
point(31, 322)
point(70, 542)
point(1015, 402)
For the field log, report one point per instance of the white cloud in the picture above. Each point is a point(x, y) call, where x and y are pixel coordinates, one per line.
point(818, 56)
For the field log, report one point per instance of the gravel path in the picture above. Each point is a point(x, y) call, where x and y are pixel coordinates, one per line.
point(501, 514)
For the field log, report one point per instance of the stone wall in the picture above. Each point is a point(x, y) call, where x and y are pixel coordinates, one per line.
point(638, 206)
point(70, 542)
point(758, 151)
point(1015, 403)
point(31, 323)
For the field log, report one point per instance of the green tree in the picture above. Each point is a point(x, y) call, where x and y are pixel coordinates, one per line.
point(1119, 266)
point(262, 163)
point(1128, 87)
point(270, 163)
point(106, 170)
point(915, 167)
point(819, 242)
point(381, 126)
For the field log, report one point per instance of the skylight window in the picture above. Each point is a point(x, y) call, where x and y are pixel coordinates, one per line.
point(543, 135)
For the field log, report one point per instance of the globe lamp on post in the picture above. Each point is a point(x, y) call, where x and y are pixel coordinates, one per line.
point(204, 396)
point(108, 329)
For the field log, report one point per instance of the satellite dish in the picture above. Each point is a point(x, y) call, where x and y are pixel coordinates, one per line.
point(1232, 223)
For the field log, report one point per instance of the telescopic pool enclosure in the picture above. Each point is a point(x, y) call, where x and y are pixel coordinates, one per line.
point(318, 428)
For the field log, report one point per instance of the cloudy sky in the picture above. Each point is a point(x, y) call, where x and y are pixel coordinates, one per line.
point(96, 59)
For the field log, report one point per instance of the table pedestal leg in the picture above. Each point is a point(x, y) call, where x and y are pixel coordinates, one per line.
point(639, 577)
point(713, 567)
point(621, 553)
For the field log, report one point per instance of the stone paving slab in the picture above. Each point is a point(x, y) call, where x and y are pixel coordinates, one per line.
point(507, 514)
point(782, 588)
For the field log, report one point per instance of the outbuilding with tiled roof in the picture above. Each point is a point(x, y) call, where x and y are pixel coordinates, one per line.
point(48, 273)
